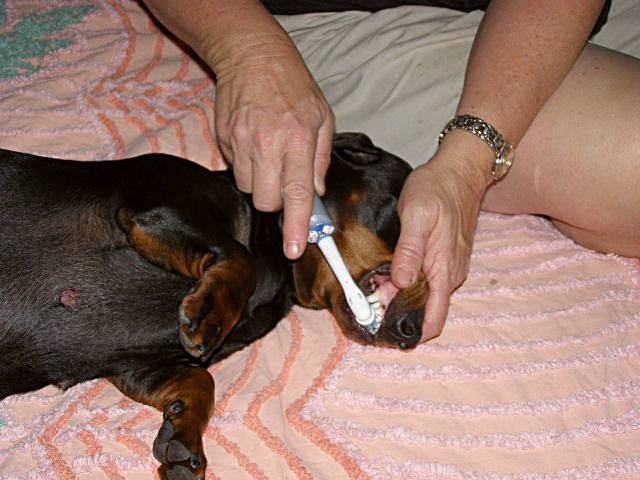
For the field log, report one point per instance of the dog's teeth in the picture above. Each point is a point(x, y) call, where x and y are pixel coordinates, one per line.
point(373, 298)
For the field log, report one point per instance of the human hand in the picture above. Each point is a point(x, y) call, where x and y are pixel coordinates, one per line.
point(275, 128)
point(438, 209)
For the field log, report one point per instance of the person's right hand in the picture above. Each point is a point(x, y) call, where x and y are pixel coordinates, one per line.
point(438, 208)
point(275, 128)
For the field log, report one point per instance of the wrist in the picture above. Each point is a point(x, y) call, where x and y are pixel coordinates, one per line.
point(468, 155)
point(219, 31)
point(258, 49)
point(250, 36)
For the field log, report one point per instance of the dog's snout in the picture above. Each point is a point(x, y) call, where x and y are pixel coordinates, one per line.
point(409, 330)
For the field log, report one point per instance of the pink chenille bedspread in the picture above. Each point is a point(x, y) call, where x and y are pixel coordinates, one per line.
point(536, 376)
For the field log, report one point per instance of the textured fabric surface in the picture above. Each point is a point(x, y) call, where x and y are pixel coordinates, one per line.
point(115, 87)
point(537, 375)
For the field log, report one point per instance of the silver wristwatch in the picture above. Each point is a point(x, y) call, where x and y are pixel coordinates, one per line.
point(502, 150)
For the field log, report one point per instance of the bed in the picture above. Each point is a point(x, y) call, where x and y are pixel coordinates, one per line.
point(537, 375)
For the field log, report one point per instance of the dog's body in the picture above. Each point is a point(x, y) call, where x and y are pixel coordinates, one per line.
point(71, 287)
point(148, 270)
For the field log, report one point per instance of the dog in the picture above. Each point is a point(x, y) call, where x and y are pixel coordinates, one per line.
point(148, 270)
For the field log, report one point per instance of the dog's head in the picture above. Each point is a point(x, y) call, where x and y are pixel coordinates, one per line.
point(363, 185)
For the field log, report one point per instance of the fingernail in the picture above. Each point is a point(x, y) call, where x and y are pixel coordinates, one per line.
point(319, 186)
point(292, 249)
point(405, 276)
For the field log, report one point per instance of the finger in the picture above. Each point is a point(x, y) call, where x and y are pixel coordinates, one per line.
point(298, 199)
point(238, 161)
point(323, 153)
point(410, 249)
point(225, 149)
point(437, 307)
point(267, 177)
point(241, 161)
point(461, 270)
point(242, 173)
point(222, 134)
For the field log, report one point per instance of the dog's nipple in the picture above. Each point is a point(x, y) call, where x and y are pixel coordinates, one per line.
point(69, 297)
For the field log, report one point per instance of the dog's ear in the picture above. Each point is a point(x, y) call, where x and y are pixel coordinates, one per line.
point(358, 148)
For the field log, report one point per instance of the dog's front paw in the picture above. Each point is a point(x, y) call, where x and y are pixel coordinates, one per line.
point(178, 446)
point(201, 322)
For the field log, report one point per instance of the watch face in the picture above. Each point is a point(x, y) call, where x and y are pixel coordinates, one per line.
point(503, 162)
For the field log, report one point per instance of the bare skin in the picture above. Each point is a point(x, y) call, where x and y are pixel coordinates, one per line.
point(579, 162)
point(569, 111)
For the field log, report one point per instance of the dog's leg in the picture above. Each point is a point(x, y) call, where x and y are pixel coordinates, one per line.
point(183, 240)
point(185, 396)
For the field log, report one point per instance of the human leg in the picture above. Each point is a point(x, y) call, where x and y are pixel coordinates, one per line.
point(579, 163)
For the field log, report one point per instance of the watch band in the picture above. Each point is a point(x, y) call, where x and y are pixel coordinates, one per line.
point(485, 131)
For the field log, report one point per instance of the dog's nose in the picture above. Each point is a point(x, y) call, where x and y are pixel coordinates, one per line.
point(409, 329)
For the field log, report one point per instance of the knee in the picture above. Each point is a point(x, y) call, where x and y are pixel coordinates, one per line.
point(619, 239)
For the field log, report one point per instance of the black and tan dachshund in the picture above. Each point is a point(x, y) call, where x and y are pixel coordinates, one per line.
point(146, 271)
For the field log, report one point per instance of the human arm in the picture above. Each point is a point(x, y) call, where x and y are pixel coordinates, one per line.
point(273, 124)
point(521, 53)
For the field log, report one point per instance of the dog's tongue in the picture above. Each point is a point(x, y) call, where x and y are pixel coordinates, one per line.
point(386, 290)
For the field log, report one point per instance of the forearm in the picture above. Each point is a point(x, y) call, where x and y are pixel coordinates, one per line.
point(223, 32)
point(522, 52)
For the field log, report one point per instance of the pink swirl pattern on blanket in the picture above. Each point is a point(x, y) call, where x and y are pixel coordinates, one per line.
point(537, 375)
point(121, 89)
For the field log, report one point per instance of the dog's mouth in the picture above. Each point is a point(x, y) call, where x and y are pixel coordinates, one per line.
point(379, 290)
point(400, 312)
point(378, 287)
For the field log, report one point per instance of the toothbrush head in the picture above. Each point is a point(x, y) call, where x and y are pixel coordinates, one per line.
point(320, 224)
point(318, 230)
point(378, 317)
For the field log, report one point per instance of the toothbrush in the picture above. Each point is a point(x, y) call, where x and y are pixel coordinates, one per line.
point(321, 228)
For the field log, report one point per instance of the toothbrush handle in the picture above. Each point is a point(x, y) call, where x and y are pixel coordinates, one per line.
point(355, 298)
point(319, 210)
